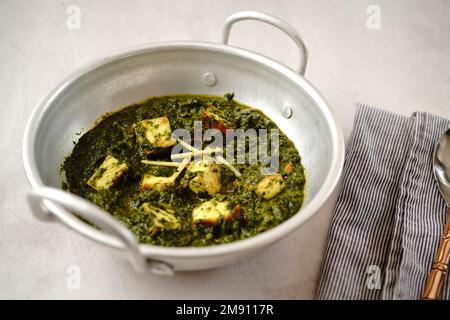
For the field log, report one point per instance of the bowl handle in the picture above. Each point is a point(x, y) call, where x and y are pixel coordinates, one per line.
point(90, 213)
point(274, 21)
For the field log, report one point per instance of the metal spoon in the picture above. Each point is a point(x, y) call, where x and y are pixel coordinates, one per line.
point(441, 170)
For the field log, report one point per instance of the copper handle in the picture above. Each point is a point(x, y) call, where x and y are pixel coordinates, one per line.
point(436, 279)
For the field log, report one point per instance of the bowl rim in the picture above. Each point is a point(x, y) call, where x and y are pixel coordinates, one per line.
point(257, 241)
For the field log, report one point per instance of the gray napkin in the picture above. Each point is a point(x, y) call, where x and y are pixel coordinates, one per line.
point(389, 215)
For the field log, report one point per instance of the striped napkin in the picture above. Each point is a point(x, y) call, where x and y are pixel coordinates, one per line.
point(389, 215)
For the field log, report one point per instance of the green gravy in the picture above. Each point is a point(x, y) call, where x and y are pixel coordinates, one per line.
point(115, 135)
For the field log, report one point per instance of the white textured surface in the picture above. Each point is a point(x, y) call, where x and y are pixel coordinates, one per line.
point(402, 67)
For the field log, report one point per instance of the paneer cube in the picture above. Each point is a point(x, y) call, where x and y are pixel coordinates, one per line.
point(108, 174)
point(215, 118)
point(162, 218)
point(206, 177)
point(270, 186)
point(288, 168)
point(212, 212)
point(154, 134)
point(151, 182)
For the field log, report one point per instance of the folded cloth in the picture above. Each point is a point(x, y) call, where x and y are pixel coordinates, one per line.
point(389, 216)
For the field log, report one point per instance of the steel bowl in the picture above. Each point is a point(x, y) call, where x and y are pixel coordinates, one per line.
point(132, 75)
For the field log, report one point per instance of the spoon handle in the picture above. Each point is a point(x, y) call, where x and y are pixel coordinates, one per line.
point(436, 278)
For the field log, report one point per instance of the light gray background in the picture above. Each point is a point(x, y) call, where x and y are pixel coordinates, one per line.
point(403, 67)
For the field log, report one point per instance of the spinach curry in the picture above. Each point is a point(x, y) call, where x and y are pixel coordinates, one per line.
point(124, 166)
